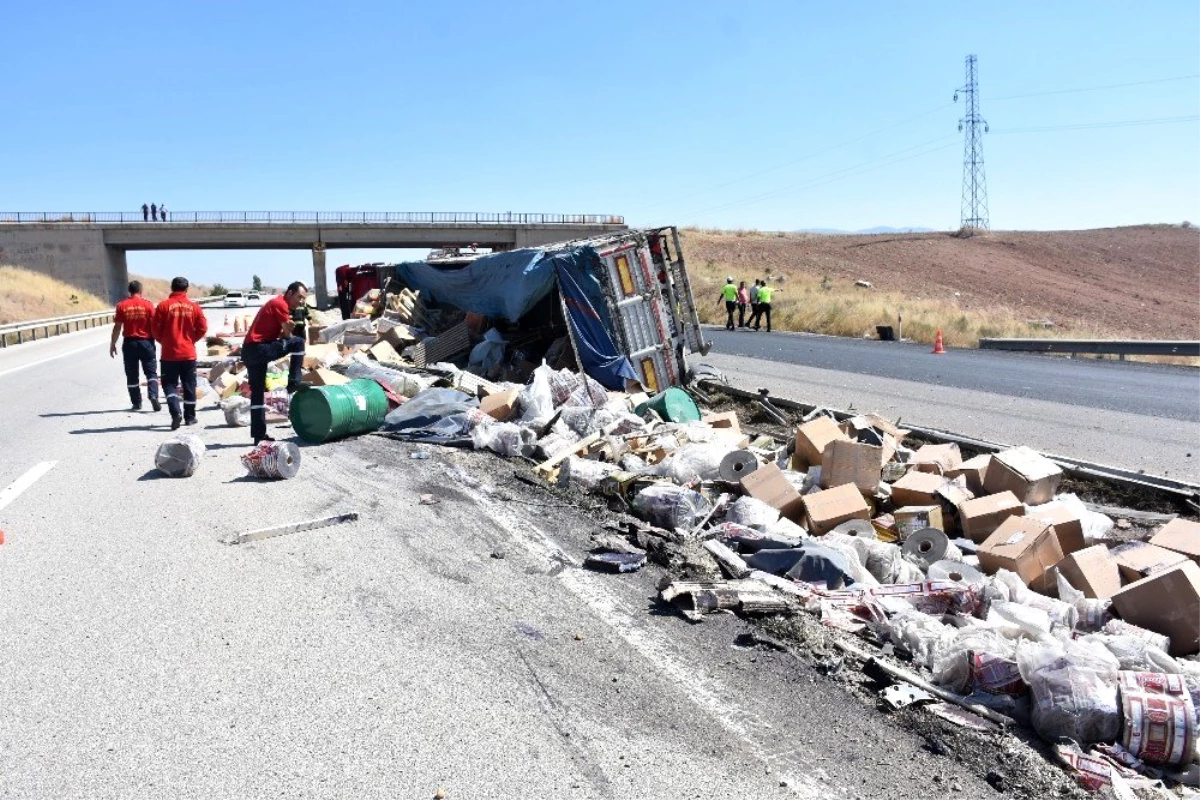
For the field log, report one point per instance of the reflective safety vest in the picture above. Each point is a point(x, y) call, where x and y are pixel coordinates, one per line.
point(729, 292)
point(764, 294)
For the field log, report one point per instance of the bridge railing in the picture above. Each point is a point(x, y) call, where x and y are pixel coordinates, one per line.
point(311, 217)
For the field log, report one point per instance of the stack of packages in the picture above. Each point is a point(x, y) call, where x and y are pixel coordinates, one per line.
point(1007, 591)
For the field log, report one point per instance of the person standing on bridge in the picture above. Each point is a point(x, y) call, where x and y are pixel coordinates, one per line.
point(177, 325)
point(162, 212)
point(271, 337)
point(729, 295)
point(133, 317)
point(145, 213)
point(154, 212)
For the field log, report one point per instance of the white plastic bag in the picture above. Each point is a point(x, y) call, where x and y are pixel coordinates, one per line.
point(670, 507)
point(237, 411)
point(504, 438)
point(536, 400)
point(1074, 688)
point(693, 462)
point(753, 513)
point(584, 474)
point(487, 354)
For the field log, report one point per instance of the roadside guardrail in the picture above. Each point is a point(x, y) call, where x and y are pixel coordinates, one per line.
point(1112, 347)
point(20, 332)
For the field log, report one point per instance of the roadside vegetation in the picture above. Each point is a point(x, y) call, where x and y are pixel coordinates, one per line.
point(26, 295)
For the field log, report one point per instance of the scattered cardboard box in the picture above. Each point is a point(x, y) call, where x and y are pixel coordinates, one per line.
point(1028, 474)
point(318, 355)
point(851, 462)
point(951, 495)
point(973, 470)
point(324, 377)
point(1166, 602)
point(767, 483)
point(1022, 545)
point(500, 405)
point(936, 458)
point(911, 519)
point(727, 419)
point(827, 509)
point(917, 489)
point(383, 352)
point(1068, 525)
point(811, 440)
point(1137, 560)
point(218, 351)
point(398, 337)
point(314, 333)
point(980, 517)
point(1180, 536)
point(1092, 571)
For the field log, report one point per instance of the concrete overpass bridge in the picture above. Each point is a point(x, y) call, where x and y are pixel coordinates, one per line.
point(88, 249)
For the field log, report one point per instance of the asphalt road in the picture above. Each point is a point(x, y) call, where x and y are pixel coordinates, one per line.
point(457, 645)
point(1129, 415)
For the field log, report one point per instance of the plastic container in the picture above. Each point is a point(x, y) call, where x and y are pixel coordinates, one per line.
point(324, 413)
point(673, 405)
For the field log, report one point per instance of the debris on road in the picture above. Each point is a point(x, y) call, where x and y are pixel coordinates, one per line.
point(179, 456)
point(273, 460)
point(291, 527)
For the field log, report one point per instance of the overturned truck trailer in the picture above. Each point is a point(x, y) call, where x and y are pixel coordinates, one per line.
point(624, 299)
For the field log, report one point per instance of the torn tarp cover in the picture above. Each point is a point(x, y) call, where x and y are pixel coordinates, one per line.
point(510, 283)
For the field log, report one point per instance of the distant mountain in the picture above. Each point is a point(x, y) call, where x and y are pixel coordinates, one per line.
point(877, 229)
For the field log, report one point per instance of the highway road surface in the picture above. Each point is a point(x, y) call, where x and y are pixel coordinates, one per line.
point(456, 645)
point(1125, 414)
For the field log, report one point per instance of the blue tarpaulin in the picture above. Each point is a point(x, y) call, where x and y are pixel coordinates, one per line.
point(511, 283)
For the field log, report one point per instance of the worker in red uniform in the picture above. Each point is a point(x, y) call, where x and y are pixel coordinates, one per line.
point(133, 319)
point(177, 325)
point(270, 338)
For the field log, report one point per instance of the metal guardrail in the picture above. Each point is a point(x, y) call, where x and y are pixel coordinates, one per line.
point(1095, 346)
point(28, 330)
point(310, 217)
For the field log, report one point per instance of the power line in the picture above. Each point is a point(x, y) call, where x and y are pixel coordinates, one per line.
point(1093, 88)
point(1126, 123)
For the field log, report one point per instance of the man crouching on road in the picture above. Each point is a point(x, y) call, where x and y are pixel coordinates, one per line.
point(270, 338)
point(177, 325)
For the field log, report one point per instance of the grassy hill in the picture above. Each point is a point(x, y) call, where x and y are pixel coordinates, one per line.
point(26, 295)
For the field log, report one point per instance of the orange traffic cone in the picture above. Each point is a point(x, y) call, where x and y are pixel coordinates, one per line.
point(938, 349)
point(1, 536)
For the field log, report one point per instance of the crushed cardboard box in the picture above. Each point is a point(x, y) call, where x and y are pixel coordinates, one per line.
point(936, 458)
point(1167, 602)
point(980, 517)
point(1136, 560)
point(973, 471)
point(851, 462)
point(825, 510)
point(768, 483)
point(1026, 546)
point(1028, 474)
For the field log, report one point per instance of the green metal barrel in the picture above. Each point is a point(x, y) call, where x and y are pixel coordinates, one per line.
point(324, 413)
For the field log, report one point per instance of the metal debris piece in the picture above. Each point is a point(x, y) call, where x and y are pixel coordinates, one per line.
point(291, 527)
point(961, 717)
point(903, 695)
point(616, 562)
point(428, 500)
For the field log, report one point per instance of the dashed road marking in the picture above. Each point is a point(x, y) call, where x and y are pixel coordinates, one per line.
point(14, 489)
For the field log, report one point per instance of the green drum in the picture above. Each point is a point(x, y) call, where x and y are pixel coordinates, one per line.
point(673, 405)
point(324, 413)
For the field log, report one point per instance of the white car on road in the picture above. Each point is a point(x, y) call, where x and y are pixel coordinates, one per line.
point(235, 300)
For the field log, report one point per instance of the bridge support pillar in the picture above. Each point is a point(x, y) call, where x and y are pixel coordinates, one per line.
point(320, 287)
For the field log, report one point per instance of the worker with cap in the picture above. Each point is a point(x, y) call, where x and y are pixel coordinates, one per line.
point(271, 336)
point(177, 325)
point(729, 294)
point(132, 317)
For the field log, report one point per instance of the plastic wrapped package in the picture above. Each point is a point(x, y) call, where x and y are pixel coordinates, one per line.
point(845, 544)
point(436, 414)
point(403, 383)
point(752, 512)
point(924, 636)
point(504, 438)
point(237, 411)
point(1017, 620)
point(1093, 612)
point(784, 528)
point(634, 464)
point(570, 388)
point(334, 333)
point(488, 354)
point(278, 401)
point(583, 474)
point(693, 462)
point(743, 539)
point(1136, 655)
point(670, 507)
point(1119, 627)
point(980, 659)
point(203, 387)
point(886, 561)
point(1074, 690)
point(536, 400)
point(1060, 613)
point(179, 456)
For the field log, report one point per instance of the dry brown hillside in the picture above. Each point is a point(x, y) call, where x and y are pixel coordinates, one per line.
point(1140, 281)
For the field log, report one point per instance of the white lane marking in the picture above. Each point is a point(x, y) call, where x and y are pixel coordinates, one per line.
point(704, 691)
point(51, 358)
point(14, 489)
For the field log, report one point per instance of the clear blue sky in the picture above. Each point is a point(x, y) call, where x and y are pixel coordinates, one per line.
point(761, 114)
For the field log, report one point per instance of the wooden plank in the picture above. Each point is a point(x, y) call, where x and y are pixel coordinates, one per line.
point(291, 527)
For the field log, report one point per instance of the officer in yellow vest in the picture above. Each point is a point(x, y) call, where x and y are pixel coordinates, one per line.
point(730, 295)
point(764, 305)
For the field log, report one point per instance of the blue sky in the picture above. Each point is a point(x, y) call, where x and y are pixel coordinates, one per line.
point(769, 115)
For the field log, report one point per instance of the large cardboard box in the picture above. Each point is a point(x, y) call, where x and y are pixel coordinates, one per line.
point(851, 462)
point(1067, 524)
point(937, 458)
point(811, 440)
point(973, 470)
point(324, 377)
point(1167, 602)
point(825, 510)
point(911, 519)
point(981, 516)
point(383, 352)
point(767, 483)
point(500, 405)
point(1092, 571)
point(917, 489)
point(1028, 474)
point(1022, 545)
point(1136, 560)
point(952, 494)
point(1181, 536)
